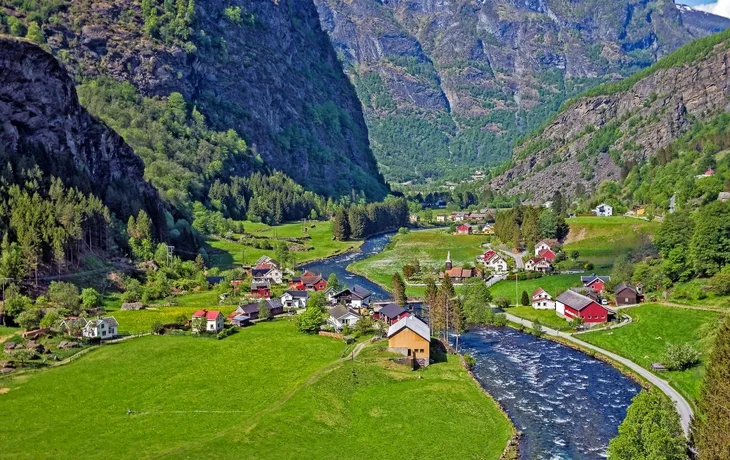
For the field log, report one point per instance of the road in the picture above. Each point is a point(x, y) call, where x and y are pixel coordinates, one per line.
point(517, 257)
point(681, 404)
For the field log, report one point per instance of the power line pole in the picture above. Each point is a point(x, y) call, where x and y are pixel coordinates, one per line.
point(170, 254)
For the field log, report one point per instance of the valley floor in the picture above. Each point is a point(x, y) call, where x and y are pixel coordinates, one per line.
point(266, 392)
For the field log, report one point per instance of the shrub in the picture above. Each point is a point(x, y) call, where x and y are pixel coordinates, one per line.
point(719, 284)
point(157, 328)
point(501, 302)
point(537, 329)
point(500, 320)
point(680, 357)
point(90, 298)
point(226, 333)
point(470, 361)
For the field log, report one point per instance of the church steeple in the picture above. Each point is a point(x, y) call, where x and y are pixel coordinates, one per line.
point(449, 265)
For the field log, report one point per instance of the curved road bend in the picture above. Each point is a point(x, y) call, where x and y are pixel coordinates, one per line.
point(681, 404)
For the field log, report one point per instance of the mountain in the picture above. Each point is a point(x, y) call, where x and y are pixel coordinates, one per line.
point(614, 129)
point(447, 87)
point(265, 69)
point(44, 126)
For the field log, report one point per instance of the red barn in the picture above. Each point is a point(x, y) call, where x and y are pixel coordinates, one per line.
point(573, 305)
point(547, 254)
point(595, 283)
point(261, 289)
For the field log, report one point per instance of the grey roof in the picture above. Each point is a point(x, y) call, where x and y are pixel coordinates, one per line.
point(592, 277)
point(299, 294)
point(241, 318)
point(623, 286)
point(253, 307)
point(392, 310)
point(357, 291)
point(412, 323)
point(110, 321)
point(214, 279)
point(339, 311)
point(260, 272)
point(575, 300)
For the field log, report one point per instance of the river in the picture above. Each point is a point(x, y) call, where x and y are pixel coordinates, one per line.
point(567, 404)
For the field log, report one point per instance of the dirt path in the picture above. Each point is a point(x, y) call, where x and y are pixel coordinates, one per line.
point(253, 420)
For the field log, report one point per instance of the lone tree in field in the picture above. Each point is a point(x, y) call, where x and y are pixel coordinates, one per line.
point(399, 289)
point(525, 299)
point(712, 435)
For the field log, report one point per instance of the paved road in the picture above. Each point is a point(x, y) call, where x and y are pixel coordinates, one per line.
point(517, 257)
point(681, 404)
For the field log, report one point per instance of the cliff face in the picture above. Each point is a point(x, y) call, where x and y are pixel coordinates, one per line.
point(270, 73)
point(41, 116)
point(596, 136)
point(448, 86)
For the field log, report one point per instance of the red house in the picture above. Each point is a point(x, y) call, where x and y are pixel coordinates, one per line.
point(546, 254)
point(261, 289)
point(463, 229)
point(308, 282)
point(391, 314)
point(595, 283)
point(571, 305)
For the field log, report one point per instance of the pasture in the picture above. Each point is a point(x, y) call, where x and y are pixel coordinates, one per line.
point(265, 392)
point(645, 340)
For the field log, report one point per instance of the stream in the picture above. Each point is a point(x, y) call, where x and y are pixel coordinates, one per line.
point(566, 404)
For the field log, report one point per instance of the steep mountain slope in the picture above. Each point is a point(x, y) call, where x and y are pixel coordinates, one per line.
point(43, 124)
point(615, 127)
point(448, 86)
point(265, 69)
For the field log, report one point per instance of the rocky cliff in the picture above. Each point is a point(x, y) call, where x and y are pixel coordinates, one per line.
point(448, 86)
point(263, 68)
point(603, 136)
point(41, 117)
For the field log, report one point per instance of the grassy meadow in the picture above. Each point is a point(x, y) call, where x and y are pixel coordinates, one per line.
point(429, 247)
point(645, 340)
point(265, 392)
point(547, 318)
point(553, 284)
point(225, 254)
point(600, 240)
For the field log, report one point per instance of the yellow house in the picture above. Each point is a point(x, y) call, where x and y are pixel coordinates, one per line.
point(641, 212)
point(411, 337)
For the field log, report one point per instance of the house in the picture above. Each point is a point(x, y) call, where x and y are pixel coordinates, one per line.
point(341, 316)
point(603, 210)
point(330, 294)
point(595, 283)
point(463, 229)
point(390, 313)
point(252, 309)
point(441, 218)
point(541, 300)
point(477, 217)
point(488, 229)
point(261, 288)
point(267, 260)
point(538, 264)
point(313, 281)
point(355, 297)
point(626, 294)
point(459, 216)
point(494, 262)
point(102, 328)
point(709, 173)
point(240, 320)
point(213, 320)
point(414, 219)
point(547, 254)
point(571, 304)
point(267, 271)
point(294, 299)
point(549, 245)
point(411, 337)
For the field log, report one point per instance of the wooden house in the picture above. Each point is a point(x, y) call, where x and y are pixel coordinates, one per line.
point(411, 337)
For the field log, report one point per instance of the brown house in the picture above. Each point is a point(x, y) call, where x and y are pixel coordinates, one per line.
point(626, 294)
point(411, 337)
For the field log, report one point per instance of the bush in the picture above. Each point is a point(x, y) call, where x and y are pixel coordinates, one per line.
point(680, 357)
point(500, 320)
point(589, 266)
point(470, 361)
point(90, 298)
point(157, 328)
point(719, 284)
point(502, 302)
point(226, 333)
point(537, 329)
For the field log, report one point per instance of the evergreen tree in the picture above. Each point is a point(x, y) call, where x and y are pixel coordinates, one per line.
point(333, 282)
point(710, 243)
point(476, 302)
point(399, 289)
point(341, 225)
point(712, 435)
point(447, 288)
point(525, 299)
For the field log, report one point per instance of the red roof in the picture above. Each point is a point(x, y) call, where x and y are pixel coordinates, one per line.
point(209, 315)
point(462, 228)
point(488, 254)
point(546, 254)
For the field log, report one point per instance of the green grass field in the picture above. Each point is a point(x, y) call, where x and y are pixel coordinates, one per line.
point(553, 284)
point(429, 247)
point(601, 239)
point(266, 392)
point(547, 317)
point(645, 340)
point(7, 330)
point(225, 254)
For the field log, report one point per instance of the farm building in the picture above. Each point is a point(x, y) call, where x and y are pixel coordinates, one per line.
point(596, 283)
point(571, 304)
point(261, 289)
point(411, 337)
point(541, 300)
point(252, 309)
point(626, 294)
point(102, 328)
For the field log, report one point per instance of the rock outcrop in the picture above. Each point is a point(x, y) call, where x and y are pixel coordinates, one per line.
point(594, 137)
point(40, 115)
point(450, 85)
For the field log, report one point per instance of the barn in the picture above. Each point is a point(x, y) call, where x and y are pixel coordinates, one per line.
point(571, 305)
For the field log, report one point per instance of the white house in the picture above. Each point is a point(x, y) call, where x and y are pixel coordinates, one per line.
point(341, 316)
point(213, 320)
point(102, 328)
point(494, 262)
point(267, 271)
point(545, 244)
point(355, 297)
point(603, 210)
point(294, 299)
point(541, 300)
point(538, 264)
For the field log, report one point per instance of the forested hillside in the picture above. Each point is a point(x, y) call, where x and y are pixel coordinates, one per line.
point(447, 87)
point(645, 137)
point(265, 70)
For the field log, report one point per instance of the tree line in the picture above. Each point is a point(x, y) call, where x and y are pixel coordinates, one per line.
point(360, 221)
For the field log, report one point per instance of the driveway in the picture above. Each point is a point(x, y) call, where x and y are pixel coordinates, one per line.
point(681, 404)
point(517, 257)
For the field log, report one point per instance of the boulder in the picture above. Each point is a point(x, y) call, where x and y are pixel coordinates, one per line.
point(133, 306)
point(35, 346)
point(6, 370)
point(65, 345)
point(10, 346)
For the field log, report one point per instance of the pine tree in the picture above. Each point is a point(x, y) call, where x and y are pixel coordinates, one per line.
point(341, 226)
point(712, 435)
point(447, 287)
point(525, 299)
point(399, 289)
